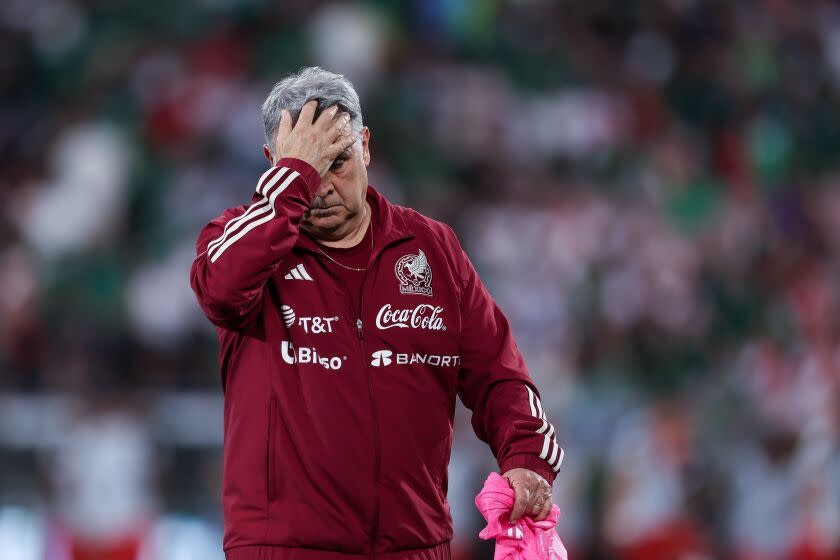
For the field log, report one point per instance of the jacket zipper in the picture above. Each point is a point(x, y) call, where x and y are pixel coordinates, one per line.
point(374, 412)
point(376, 443)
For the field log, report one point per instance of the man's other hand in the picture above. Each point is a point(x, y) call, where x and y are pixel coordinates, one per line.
point(317, 143)
point(533, 494)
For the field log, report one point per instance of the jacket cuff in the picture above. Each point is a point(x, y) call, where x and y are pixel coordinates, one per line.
point(311, 177)
point(530, 462)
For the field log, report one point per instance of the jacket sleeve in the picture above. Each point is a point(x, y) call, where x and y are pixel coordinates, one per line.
point(238, 251)
point(495, 385)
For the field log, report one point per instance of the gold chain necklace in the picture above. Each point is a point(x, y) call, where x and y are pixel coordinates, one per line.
point(370, 225)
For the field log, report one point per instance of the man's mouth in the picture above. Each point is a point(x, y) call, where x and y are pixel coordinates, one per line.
point(323, 210)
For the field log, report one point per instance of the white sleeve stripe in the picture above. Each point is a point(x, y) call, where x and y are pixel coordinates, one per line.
point(264, 177)
point(531, 401)
point(259, 210)
point(554, 448)
point(267, 187)
point(255, 223)
point(549, 425)
point(531, 398)
point(256, 209)
point(544, 452)
point(247, 212)
point(556, 467)
point(233, 224)
point(536, 410)
point(549, 441)
point(539, 407)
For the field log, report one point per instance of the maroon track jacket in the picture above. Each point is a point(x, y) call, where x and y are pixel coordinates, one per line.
point(338, 424)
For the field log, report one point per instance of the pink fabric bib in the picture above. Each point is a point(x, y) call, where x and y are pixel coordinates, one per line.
point(524, 540)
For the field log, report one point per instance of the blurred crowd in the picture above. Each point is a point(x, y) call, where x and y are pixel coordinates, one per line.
point(648, 189)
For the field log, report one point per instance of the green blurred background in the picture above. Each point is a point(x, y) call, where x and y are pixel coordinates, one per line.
point(648, 189)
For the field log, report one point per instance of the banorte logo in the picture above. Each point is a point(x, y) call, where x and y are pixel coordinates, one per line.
point(381, 358)
point(424, 316)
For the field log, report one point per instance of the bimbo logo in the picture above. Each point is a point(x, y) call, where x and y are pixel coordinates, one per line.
point(424, 316)
point(304, 355)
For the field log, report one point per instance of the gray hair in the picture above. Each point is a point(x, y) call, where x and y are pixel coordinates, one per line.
point(311, 82)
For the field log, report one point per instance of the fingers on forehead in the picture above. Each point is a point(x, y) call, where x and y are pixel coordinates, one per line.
point(321, 107)
point(315, 107)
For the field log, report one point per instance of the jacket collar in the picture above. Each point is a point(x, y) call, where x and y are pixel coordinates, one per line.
point(391, 225)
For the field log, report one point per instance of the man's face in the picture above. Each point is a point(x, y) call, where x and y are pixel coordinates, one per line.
point(341, 195)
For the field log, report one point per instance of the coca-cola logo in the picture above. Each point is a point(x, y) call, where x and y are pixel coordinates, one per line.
point(424, 316)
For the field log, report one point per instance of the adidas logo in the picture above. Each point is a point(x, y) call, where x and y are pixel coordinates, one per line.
point(298, 273)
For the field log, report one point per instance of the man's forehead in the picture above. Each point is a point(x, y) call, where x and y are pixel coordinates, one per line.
point(350, 149)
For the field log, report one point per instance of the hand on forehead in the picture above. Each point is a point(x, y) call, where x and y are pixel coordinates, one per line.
point(316, 107)
point(317, 141)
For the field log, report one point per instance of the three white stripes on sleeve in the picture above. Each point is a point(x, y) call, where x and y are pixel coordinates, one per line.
point(550, 442)
point(269, 187)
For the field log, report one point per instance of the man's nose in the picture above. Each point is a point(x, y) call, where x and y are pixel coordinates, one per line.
point(326, 186)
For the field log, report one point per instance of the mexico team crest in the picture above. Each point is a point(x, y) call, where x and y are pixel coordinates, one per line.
point(414, 274)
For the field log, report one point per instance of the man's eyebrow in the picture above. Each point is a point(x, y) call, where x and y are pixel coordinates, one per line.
point(345, 154)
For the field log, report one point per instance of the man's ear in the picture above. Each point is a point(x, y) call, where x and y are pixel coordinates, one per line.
point(267, 154)
point(366, 145)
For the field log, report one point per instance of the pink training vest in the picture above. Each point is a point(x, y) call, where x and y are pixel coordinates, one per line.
point(524, 540)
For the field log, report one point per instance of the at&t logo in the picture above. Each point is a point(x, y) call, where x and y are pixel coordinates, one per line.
point(316, 325)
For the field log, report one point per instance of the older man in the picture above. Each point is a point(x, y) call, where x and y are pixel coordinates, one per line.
point(347, 326)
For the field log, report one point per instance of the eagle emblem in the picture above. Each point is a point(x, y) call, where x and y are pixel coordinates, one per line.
point(414, 274)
